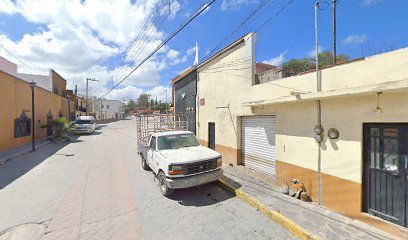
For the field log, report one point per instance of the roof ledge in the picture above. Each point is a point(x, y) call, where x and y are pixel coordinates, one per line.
point(392, 86)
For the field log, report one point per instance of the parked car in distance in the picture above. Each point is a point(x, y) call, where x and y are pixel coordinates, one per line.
point(85, 124)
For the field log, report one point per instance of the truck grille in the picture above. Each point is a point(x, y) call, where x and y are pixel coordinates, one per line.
point(192, 168)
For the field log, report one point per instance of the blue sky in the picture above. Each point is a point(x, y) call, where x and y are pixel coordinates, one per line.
point(89, 38)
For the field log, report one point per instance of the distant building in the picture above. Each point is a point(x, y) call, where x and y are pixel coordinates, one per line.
point(106, 110)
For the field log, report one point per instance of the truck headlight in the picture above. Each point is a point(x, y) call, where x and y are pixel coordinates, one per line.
point(175, 169)
point(219, 162)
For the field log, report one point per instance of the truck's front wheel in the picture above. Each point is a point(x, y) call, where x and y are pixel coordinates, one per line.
point(164, 189)
point(144, 164)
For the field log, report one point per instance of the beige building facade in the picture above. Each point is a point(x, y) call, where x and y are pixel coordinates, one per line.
point(356, 98)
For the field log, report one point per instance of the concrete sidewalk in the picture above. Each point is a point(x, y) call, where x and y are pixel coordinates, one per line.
point(17, 151)
point(309, 220)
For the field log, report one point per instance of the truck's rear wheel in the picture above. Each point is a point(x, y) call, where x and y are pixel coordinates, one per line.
point(144, 164)
point(164, 189)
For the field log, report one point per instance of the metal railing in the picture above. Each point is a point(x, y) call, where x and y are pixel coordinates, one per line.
point(151, 123)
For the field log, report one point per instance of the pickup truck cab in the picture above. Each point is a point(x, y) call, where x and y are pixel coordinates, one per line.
point(179, 161)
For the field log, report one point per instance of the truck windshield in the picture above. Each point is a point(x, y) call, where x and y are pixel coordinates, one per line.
point(83, 121)
point(177, 141)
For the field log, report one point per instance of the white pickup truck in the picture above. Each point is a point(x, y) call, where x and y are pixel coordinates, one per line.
point(175, 156)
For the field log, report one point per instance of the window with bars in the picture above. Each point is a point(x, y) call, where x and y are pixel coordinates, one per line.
point(22, 126)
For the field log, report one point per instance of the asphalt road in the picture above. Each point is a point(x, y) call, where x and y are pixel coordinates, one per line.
point(95, 188)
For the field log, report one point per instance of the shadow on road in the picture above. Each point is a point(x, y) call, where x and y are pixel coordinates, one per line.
point(18, 166)
point(100, 126)
point(90, 134)
point(203, 195)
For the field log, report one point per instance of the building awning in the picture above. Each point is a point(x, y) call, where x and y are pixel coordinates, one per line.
point(392, 86)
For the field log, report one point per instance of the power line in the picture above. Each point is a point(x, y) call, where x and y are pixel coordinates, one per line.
point(247, 19)
point(140, 39)
point(182, 26)
point(147, 27)
point(18, 59)
point(275, 15)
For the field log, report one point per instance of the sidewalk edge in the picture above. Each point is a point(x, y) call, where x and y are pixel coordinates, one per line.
point(4, 160)
point(290, 225)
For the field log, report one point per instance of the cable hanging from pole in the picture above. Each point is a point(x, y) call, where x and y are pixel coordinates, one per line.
point(201, 9)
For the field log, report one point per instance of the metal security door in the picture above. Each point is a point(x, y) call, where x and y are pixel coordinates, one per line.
point(386, 147)
point(258, 143)
point(211, 135)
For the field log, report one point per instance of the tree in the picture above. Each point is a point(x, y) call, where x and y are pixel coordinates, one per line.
point(143, 100)
point(130, 106)
point(151, 103)
point(296, 66)
point(326, 59)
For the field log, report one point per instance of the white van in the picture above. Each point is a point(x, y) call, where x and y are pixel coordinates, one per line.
point(85, 124)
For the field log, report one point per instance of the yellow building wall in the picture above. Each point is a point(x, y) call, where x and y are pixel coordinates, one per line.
point(222, 87)
point(341, 159)
point(15, 97)
point(58, 82)
point(297, 150)
point(381, 68)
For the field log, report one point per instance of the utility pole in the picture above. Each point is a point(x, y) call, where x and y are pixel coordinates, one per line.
point(32, 85)
point(123, 107)
point(166, 101)
point(334, 3)
point(87, 99)
point(318, 128)
point(75, 100)
point(100, 116)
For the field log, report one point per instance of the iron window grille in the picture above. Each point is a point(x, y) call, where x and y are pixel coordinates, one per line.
point(22, 126)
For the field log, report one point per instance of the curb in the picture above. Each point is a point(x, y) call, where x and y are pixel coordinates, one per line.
point(291, 226)
point(4, 160)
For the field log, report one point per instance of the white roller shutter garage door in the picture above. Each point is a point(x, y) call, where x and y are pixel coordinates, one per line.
point(258, 143)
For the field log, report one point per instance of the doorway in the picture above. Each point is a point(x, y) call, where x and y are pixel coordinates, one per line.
point(386, 171)
point(211, 135)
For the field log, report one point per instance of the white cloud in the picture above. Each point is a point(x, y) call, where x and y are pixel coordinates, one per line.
point(234, 4)
point(160, 93)
point(368, 3)
point(174, 57)
point(129, 92)
point(80, 37)
point(7, 7)
point(354, 39)
point(277, 61)
point(191, 50)
point(312, 53)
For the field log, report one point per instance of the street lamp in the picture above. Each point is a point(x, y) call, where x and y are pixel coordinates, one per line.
point(32, 85)
point(87, 100)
